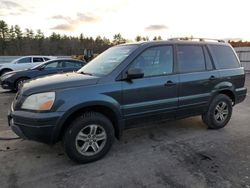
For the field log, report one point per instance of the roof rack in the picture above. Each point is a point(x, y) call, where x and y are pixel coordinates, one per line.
point(199, 39)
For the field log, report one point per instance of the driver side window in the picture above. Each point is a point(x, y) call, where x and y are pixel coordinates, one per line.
point(24, 60)
point(52, 65)
point(155, 61)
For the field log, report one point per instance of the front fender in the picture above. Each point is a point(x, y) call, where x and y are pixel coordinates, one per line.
point(75, 106)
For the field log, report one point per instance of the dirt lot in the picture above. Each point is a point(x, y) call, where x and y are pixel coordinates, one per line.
point(171, 154)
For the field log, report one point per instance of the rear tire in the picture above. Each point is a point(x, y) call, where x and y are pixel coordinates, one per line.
point(89, 137)
point(219, 112)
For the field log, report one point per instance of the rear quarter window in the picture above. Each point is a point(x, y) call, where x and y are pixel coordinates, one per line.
point(46, 59)
point(72, 64)
point(225, 57)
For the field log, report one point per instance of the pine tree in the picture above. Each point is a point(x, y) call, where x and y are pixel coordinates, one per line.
point(4, 32)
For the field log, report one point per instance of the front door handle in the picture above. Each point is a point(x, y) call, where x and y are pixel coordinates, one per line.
point(169, 83)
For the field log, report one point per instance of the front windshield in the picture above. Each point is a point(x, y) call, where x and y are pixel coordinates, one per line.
point(106, 62)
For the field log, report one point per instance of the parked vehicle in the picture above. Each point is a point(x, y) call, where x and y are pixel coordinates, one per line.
point(23, 63)
point(14, 79)
point(128, 85)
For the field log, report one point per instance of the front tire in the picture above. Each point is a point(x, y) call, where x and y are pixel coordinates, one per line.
point(19, 83)
point(219, 112)
point(88, 138)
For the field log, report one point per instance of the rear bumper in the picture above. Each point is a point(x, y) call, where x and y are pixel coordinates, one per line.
point(241, 94)
point(39, 127)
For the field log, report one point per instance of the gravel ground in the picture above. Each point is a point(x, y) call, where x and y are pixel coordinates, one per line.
point(182, 153)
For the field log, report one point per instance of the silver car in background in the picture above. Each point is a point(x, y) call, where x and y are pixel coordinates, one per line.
point(22, 63)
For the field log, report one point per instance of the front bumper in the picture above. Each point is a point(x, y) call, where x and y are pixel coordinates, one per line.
point(6, 84)
point(39, 127)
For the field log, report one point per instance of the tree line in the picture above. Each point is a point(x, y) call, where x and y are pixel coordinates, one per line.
point(239, 43)
point(15, 41)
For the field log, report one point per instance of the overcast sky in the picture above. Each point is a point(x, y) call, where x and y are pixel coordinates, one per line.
point(168, 18)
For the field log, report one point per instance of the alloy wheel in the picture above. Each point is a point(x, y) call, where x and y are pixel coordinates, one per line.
point(221, 112)
point(91, 140)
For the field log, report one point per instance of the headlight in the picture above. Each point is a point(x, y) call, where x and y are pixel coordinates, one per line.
point(4, 77)
point(40, 101)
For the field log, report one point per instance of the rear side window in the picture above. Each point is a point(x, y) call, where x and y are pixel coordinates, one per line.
point(190, 58)
point(72, 64)
point(225, 57)
point(37, 59)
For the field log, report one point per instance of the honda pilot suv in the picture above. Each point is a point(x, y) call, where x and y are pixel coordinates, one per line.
point(125, 86)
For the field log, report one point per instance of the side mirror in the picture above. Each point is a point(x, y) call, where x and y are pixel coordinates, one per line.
point(40, 68)
point(134, 73)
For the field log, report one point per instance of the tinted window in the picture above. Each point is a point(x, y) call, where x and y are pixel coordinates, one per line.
point(155, 61)
point(72, 64)
point(190, 58)
point(37, 59)
point(46, 59)
point(24, 60)
point(225, 57)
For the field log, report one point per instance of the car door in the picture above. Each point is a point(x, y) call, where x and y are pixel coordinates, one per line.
point(197, 77)
point(23, 63)
point(156, 93)
point(52, 67)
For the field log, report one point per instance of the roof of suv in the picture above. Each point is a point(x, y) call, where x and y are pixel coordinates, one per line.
point(173, 41)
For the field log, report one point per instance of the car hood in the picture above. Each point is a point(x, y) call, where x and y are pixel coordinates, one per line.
point(8, 63)
point(16, 72)
point(58, 81)
point(10, 74)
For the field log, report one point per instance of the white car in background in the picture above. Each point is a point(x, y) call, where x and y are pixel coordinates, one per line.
point(23, 63)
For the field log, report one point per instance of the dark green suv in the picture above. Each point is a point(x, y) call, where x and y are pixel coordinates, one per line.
point(128, 85)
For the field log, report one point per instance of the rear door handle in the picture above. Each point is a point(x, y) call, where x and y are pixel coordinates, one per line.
point(212, 77)
point(169, 83)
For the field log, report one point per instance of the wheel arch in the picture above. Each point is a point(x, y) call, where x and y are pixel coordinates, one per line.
point(5, 69)
point(110, 112)
point(226, 88)
point(228, 93)
point(20, 78)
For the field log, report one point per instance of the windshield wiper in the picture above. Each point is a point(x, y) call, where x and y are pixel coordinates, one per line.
point(86, 73)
